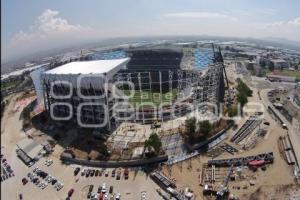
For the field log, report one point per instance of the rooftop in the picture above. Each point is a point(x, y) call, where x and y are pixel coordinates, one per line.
point(88, 67)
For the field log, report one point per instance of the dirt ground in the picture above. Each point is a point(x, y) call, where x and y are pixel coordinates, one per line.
point(276, 182)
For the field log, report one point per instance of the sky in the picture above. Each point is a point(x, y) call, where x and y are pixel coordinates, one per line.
point(29, 26)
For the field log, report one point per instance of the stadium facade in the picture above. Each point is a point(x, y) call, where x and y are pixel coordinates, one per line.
point(140, 85)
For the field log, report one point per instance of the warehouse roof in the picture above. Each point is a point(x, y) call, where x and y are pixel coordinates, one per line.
point(30, 147)
point(88, 67)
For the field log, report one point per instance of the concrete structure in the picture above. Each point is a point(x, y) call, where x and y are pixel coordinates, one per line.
point(94, 93)
point(28, 150)
point(281, 78)
point(81, 91)
point(280, 63)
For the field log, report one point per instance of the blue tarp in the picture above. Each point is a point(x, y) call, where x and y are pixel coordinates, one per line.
point(203, 58)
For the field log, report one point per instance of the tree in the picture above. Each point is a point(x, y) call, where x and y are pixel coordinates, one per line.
point(153, 141)
point(243, 88)
point(26, 114)
point(190, 126)
point(103, 150)
point(205, 127)
point(242, 98)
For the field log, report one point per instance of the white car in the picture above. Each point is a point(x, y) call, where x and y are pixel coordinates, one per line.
point(105, 196)
point(59, 186)
point(83, 172)
point(35, 169)
point(48, 162)
point(103, 190)
point(50, 178)
point(143, 195)
point(44, 185)
point(41, 184)
point(118, 196)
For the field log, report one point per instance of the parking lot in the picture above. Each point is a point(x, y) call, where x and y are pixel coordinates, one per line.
point(12, 133)
point(129, 189)
point(6, 171)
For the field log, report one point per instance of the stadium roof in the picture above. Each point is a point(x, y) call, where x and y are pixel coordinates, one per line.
point(89, 67)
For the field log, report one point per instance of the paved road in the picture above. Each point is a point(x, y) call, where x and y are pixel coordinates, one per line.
point(294, 134)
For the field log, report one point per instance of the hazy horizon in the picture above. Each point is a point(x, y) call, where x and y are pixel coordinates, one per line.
point(35, 26)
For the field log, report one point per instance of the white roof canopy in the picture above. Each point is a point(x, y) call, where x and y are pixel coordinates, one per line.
point(89, 67)
point(85, 73)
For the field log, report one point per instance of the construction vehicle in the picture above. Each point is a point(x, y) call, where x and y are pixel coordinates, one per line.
point(155, 124)
point(224, 191)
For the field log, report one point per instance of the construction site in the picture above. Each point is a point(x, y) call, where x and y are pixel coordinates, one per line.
point(241, 158)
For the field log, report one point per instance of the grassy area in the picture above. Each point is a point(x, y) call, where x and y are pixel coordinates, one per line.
point(288, 73)
point(10, 84)
point(151, 97)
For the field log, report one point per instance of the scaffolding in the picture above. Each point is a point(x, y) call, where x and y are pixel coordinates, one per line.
point(186, 86)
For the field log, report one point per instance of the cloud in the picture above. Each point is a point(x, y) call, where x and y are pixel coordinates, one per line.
point(294, 23)
point(47, 24)
point(47, 32)
point(207, 15)
point(289, 29)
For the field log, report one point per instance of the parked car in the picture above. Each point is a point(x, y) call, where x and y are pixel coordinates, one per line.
point(45, 185)
point(100, 197)
point(96, 172)
point(90, 191)
point(89, 195)
point(53, 181)
point(91, 188)
point(103, 190)
point(76, 171)
point(119, 175)
point(92, 172)
point(87, 173)
point(35, 169)
point(143, 195)
point(106, 173)
point(71, 191)
point(83, 172)
point(102, 172)
point(105, 196)
point(48, 162)
point(99, 189)
point(113, 173)
point(111, 189)
point(24, 181)
point(118, 196)
point(126, 173)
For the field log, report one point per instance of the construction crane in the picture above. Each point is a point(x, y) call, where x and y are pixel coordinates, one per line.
point(224, 189)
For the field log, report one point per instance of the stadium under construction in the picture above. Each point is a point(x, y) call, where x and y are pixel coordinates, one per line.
point(135, 84)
